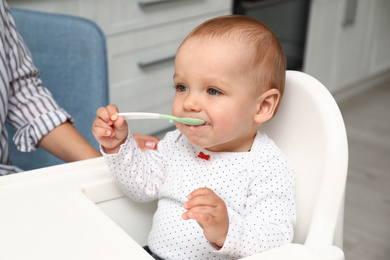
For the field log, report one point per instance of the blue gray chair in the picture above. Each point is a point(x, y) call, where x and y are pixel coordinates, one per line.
point(70, 53)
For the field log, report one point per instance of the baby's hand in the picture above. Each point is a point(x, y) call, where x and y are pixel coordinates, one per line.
point(109, 129)
point(210, 211)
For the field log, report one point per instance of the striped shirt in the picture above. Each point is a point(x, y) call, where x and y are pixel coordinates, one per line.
point(24, 103)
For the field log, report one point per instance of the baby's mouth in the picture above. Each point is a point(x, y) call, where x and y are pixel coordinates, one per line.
point(190, 121)
point(196, 126)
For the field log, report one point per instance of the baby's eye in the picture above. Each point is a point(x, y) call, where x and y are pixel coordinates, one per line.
point(181, 88)
point(213, 91)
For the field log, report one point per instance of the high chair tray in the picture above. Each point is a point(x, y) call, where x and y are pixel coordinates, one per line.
point(51, 213)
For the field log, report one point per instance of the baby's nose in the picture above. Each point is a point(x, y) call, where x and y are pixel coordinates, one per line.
point(192, 103)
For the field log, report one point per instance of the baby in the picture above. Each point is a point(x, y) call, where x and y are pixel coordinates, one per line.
point(224, 189)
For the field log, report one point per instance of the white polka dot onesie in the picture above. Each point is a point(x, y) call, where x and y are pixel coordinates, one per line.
point(257, 187)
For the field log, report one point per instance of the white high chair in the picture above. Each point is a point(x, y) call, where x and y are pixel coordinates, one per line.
point(310, 130)
point(79, 211)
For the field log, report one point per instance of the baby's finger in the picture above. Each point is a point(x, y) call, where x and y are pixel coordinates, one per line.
point(101, 129)
point(202, 214)
point(202, 200)
point(120, 123)
point(102, 113)
point(200, 192)
point(113, 112)
point(100, 132)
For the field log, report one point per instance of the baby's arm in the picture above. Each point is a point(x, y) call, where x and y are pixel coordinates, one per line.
point(210, 211)
point(141, 175)
point(109, 129)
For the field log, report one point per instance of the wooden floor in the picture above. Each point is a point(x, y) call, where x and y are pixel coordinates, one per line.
point(367, 203)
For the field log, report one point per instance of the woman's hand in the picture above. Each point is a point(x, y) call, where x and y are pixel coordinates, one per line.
point(146, 142)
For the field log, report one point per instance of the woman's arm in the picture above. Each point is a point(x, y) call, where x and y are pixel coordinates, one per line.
point(68, 144)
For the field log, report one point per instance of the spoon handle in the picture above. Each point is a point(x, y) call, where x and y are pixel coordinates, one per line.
point(139, 115)
point(144, 115)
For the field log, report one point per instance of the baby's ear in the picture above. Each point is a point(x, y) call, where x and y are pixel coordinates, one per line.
point(267, 103)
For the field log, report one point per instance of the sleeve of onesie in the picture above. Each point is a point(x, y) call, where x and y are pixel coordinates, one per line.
point(140, 174)
point(269, 215)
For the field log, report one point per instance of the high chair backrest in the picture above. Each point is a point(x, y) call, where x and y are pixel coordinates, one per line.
point(309, 129)
point(70, 53)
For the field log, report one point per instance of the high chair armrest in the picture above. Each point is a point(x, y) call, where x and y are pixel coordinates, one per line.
point(300, 252)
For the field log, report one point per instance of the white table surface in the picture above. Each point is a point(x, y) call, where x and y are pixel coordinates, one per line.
point(51, 213)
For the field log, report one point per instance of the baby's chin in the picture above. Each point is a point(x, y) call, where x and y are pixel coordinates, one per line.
point(204, 144)
point(197, 141)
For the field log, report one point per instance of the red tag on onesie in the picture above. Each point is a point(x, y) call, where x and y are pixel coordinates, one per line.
point(203, 156)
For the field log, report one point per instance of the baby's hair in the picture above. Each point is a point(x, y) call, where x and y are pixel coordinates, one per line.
point(268, 64)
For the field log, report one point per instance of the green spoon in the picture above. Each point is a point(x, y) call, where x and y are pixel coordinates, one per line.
point(142, 115)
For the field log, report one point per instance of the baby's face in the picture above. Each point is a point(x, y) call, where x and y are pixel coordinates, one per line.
point(212, 84)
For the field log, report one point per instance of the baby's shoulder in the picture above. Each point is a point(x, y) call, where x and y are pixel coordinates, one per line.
point(265, 146)
point(268, 160)
point(265, 150)
point(173, 140)
point(172, 137)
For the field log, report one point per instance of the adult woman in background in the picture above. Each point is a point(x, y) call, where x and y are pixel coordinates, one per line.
point(30, 108)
